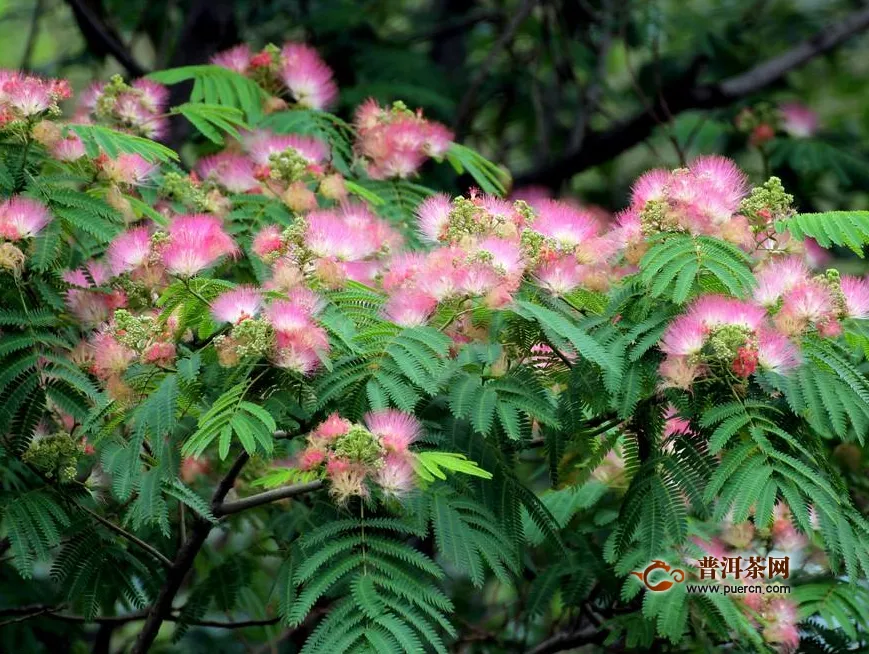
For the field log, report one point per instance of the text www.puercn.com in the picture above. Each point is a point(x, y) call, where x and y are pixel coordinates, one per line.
point(746, 589)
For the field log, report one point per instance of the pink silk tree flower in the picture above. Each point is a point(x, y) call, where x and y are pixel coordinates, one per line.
point(307, 76)
point(22, 217)
point(396, 429)
point(236, 305)
point(129, 250)
point(195, 242)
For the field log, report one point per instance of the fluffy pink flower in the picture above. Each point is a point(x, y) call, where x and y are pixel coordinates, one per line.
point(347, 481)
point(782, 617)
point(715, 310)
point(236, 58)
point(22, 217)
point(396, 430)
point(159, 353)
point(286, 316)
point(307, 76)
point(723, 176)
point(775, 352)
point(560, 275)
point(28, 95)
point(856, 292)
point(110, 357)
point(69, 148)
point(651, 185)
point(798, 120)
point(396, 476)
point(331, 235)
point(433, 215)
point(129, 250)
point(401, 270)
point(129, 169)
point(438, 140)
point(563, 223)
point(267, 240)
point(396, 142)
point(809, 301)
point(92, 274)
point(236, 305)
point(504, 255)
point(153, 95)
point(675, 424)
point(301, 350)
point(310, 458)
point(678, 372)
point(478, 278)
point(91, 307)
point(777, 278)
point(232, 171)
point(816, 256)
point(261, 145)
point(684, 336)
point(410, 307)
point(332, 427)
point(195, 243)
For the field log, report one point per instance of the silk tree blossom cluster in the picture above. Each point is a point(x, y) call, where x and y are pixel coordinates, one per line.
point(354, 458)
point(295, 72)
point(395, 141)
point(719, 336)
point(485, 246)
point(801, 302)
point(285, 330)
point(703, 198)
point(138, 108)
point(21, 218)
point(291, 167)
point(329, 245)
point(24, 98)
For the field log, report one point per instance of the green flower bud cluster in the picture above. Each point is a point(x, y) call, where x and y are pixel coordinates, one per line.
point(767, 203)
point(833, 281)
point(287, 166)
point(56, 456)
point(136, 332)
point(253, 338)
point(532, 244)
point(399, 108)
point(726, 340)
point(657, 217)
point(181, 188)
point(105, 106)
point(360, 446)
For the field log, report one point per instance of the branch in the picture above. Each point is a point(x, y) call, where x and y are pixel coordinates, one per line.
point(161, 609)
point(103, 37)
point(684, 94)
point(130, 537)
point(468, 100)
point(23, 613)
point(227, 508)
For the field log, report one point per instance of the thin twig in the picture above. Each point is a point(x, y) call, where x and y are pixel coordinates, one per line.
point(130, 537)
point(31, 36)
point(468, 100)
point(54, 612)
